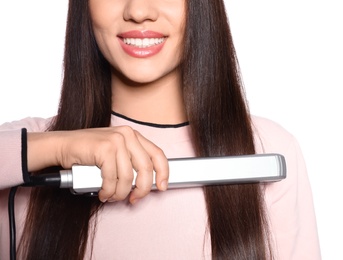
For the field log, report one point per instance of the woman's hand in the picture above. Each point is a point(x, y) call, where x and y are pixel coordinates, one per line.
point(115, 150)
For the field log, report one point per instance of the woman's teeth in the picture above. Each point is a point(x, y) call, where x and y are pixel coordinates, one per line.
point(143, 43)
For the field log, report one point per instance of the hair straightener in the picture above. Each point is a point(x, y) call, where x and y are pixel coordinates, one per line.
point(183, 173)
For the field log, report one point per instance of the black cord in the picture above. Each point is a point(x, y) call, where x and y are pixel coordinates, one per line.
point(11, 216)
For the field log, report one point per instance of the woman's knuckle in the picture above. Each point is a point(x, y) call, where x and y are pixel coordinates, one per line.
point(159, 152)
point(127, 131)
point(126, 178)
point(147, 166)
point(118, 138)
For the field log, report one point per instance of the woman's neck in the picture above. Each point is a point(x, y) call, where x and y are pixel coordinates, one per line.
point(158, 102)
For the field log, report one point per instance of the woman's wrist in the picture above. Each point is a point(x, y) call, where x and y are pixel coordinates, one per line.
point(41, 150)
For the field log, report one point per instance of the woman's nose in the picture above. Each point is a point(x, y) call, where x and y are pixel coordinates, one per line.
point(139, 11)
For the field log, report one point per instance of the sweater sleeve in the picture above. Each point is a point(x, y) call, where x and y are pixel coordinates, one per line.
point(291, 211)
point(11, 171)
point(289, 202)
point(13, 149)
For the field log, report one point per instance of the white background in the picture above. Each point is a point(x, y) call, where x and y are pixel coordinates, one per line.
point(291, 58)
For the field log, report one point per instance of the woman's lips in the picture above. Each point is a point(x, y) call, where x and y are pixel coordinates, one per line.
point(141, 44)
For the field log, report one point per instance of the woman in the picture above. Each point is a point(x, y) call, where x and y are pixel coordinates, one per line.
point(145, 81)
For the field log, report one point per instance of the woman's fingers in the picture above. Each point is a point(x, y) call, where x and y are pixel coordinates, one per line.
point(159, 160)
point(145, 167)
point(131, 151)
point(117, 178)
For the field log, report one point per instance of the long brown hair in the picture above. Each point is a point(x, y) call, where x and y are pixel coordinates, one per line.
point(220, 125)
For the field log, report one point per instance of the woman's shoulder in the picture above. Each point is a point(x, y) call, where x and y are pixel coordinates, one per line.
point(270, 135)
point(266, 124)
point(32, 124)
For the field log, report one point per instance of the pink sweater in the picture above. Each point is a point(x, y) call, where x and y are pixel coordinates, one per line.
point(173, 224)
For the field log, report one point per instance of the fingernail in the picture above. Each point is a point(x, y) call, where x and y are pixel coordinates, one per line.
point(103, 200)
point(134, 201)
point(164, 185)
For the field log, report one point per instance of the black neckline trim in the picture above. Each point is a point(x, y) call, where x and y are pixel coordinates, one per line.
point(151, 124)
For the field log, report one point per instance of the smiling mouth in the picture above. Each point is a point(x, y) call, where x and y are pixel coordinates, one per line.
point(143, 42)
